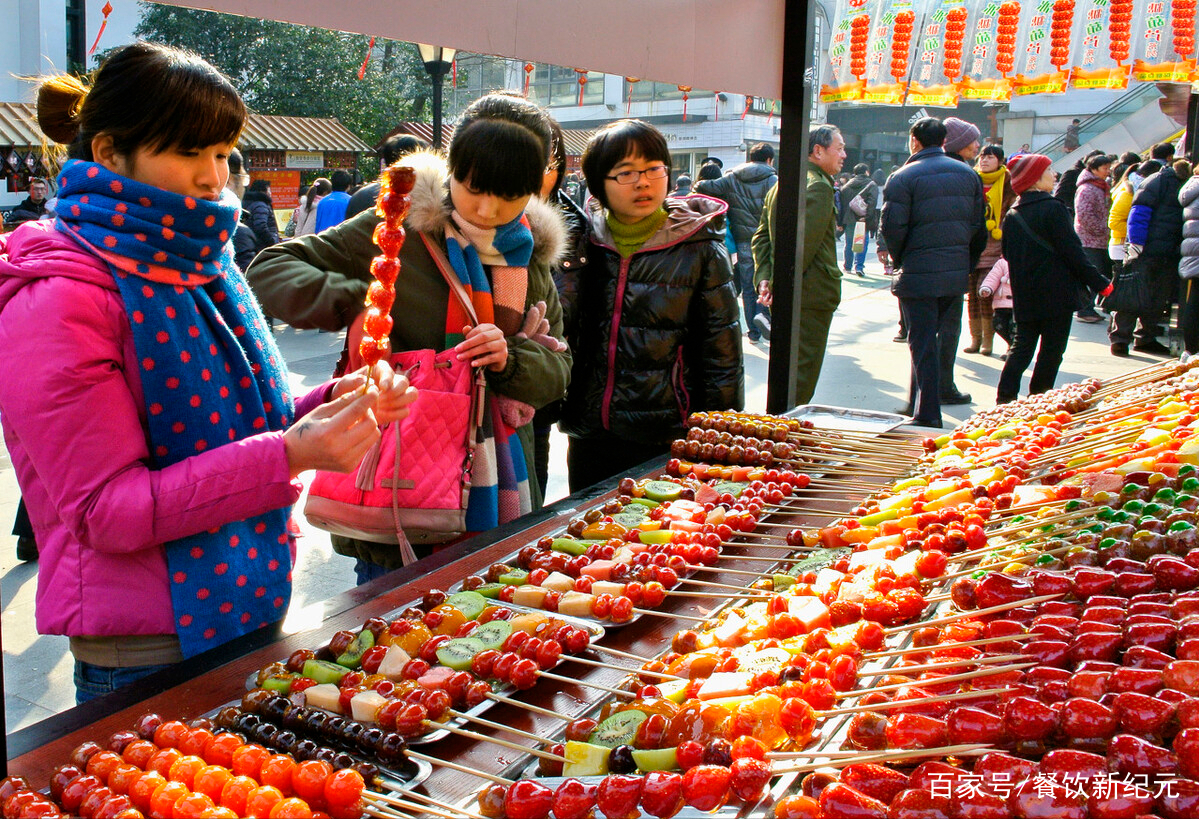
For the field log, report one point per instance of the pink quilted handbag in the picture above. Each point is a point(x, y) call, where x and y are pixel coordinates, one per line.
point(414, 485)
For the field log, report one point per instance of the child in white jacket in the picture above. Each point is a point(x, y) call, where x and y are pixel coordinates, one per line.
point(997, 284)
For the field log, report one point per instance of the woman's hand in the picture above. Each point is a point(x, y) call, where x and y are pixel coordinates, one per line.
point(396, 395)
point(485, 346)
point(765, 296)
point(334, 436)
point(985, 292)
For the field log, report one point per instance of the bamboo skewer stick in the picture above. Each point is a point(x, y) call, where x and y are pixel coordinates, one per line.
point(758, 575)
point(900, 652)
point(420, 797)
point(536, 709)
point(659, 674)
point(501, 727)
point(893, 756)
point(1031, 601)
point(770, 546)
point(971, 675)
point(616, 652)
point(653, 613)
point(713, 585)
point(751, 594)
point(886, 706)
point(1015, 559)
point(503, 743)
point(903, 671)
point(432, 760)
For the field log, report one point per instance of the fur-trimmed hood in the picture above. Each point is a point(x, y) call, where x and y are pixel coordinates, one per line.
point(431, 207)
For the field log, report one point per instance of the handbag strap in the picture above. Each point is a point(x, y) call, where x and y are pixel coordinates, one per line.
point(451, 278)
point(1036, 237)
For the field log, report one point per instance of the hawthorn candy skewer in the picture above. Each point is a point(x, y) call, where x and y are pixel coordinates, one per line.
point(393, 204)
point(1031, 601)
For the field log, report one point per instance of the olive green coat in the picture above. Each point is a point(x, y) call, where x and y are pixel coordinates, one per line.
point(320, 281)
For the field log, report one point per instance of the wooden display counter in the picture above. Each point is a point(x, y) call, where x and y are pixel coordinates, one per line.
point(218, 677)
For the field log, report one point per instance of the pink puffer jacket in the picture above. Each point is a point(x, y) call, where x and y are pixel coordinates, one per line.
point(999, 282)
point(74, 422)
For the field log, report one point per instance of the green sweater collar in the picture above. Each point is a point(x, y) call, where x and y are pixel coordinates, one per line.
point(629, 238)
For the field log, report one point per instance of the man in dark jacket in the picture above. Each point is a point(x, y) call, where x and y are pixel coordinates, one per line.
point(932, 210)
point(821, 280)
point(1155, 236)
point(743, 189)
point(33, 207)
point(394, 147)
point(860, 184)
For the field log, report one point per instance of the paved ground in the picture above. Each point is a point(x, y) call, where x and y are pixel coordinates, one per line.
point(863, 369)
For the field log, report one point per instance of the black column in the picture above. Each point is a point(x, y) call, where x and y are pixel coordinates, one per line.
point(799, 84)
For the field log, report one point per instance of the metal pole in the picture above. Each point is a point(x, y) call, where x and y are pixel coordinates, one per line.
point(438, 76)
point(799, 83)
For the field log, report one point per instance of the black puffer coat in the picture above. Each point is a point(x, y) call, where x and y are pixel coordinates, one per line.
point(566, 275)
point(743, 189)
point(1045, 277)
point(658, 333)
point(932, 212)
point(262, 217)
point(1155, 219)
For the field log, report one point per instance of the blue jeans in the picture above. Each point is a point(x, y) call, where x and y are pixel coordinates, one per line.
point(855, 260)
point(93, 681)
point(743, 275)
point(366, 572)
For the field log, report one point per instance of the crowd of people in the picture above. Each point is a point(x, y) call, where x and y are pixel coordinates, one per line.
point(1113, 238)
point(614, 317)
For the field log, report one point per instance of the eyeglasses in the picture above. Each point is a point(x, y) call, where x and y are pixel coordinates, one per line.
point(631, 177)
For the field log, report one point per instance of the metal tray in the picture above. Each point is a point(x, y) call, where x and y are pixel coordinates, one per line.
point(846, 418)
point(388, 776)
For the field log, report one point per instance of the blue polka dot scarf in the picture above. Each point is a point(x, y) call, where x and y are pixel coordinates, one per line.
point(211, 375)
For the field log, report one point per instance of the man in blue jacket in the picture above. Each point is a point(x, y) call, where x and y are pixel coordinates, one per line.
point(932, 210)
point(1155, 236)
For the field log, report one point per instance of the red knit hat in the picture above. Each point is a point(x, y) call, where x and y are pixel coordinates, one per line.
point(1027, 169)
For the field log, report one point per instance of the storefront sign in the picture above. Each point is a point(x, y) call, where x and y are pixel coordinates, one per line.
point(285, 187)
point(305, 159)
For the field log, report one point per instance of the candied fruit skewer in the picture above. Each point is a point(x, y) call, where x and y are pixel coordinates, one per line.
point(392, 206)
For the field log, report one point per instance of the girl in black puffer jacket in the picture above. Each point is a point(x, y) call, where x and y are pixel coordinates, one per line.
point(658, 334)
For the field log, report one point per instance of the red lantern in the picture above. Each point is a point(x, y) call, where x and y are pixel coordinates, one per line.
point(686, 89)
point(628, 106)
point(528, 76)
point(582, 72)
point(749, 100)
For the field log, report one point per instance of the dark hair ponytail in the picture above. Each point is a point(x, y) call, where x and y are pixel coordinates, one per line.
point(144, 96)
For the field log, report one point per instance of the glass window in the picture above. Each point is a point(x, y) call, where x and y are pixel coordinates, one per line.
point(76, 25)
point(555, 85)
point(650, 91)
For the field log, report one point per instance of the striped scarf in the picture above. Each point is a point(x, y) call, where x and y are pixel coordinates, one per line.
point(211, 375)
point(493, 266)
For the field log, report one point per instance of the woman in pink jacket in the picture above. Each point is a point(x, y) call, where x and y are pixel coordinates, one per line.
point(144, 403)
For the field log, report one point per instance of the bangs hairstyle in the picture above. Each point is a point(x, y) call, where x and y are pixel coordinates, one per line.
point(615, 142)
point(144, 96)
point(501, 146)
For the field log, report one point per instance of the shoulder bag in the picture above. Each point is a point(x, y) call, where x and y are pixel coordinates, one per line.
point(414, 485)
point(858, 205)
